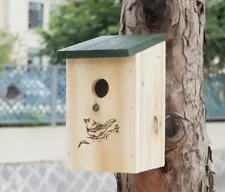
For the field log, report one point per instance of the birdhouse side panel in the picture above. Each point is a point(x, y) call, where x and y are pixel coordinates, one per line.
point(101, 114)
point(151, 97)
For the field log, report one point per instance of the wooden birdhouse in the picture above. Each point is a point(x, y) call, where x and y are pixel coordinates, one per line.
point(115, 103)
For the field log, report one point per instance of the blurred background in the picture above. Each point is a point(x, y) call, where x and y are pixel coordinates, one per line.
point(32, 90)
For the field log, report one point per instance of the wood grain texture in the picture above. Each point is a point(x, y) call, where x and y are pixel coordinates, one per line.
point(151, 95)
point(188, 155)
point(135, 102)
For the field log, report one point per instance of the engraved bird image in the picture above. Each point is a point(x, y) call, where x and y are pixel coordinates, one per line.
point(99, 132)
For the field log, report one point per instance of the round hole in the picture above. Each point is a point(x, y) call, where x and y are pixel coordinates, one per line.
point(101, 88)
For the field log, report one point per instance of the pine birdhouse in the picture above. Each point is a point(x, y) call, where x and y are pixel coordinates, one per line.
point(115, 103)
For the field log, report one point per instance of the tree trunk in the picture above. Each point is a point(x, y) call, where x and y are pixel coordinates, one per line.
point(188, 155)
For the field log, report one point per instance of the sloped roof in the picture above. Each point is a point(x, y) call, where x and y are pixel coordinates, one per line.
point(112, 46)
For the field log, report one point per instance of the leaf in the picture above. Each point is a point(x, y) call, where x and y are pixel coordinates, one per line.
point(76, 21)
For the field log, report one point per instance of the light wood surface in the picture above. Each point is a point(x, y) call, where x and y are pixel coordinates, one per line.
point(135, 141)
point(150, 131)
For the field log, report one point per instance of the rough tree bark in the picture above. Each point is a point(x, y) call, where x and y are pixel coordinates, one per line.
point(188, 154)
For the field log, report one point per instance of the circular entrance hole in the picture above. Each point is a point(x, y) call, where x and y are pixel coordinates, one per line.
point(101, 88)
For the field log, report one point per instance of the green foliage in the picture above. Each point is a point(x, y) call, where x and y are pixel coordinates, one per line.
point(7, 41)
point(215, 34)
point(77, 21)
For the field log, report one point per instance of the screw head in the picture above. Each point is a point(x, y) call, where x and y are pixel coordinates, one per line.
point(95, 107)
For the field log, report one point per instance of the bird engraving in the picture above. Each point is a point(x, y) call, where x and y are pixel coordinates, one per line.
point(97, 132)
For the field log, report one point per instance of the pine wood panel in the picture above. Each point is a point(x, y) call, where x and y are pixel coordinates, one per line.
point(151, 115)
point(118, 151)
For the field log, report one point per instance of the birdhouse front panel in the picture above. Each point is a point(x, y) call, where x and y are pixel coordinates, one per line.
point(101, 114)
point(115, 103)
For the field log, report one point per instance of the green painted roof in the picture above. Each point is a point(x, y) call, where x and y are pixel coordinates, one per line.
point(112, 46)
